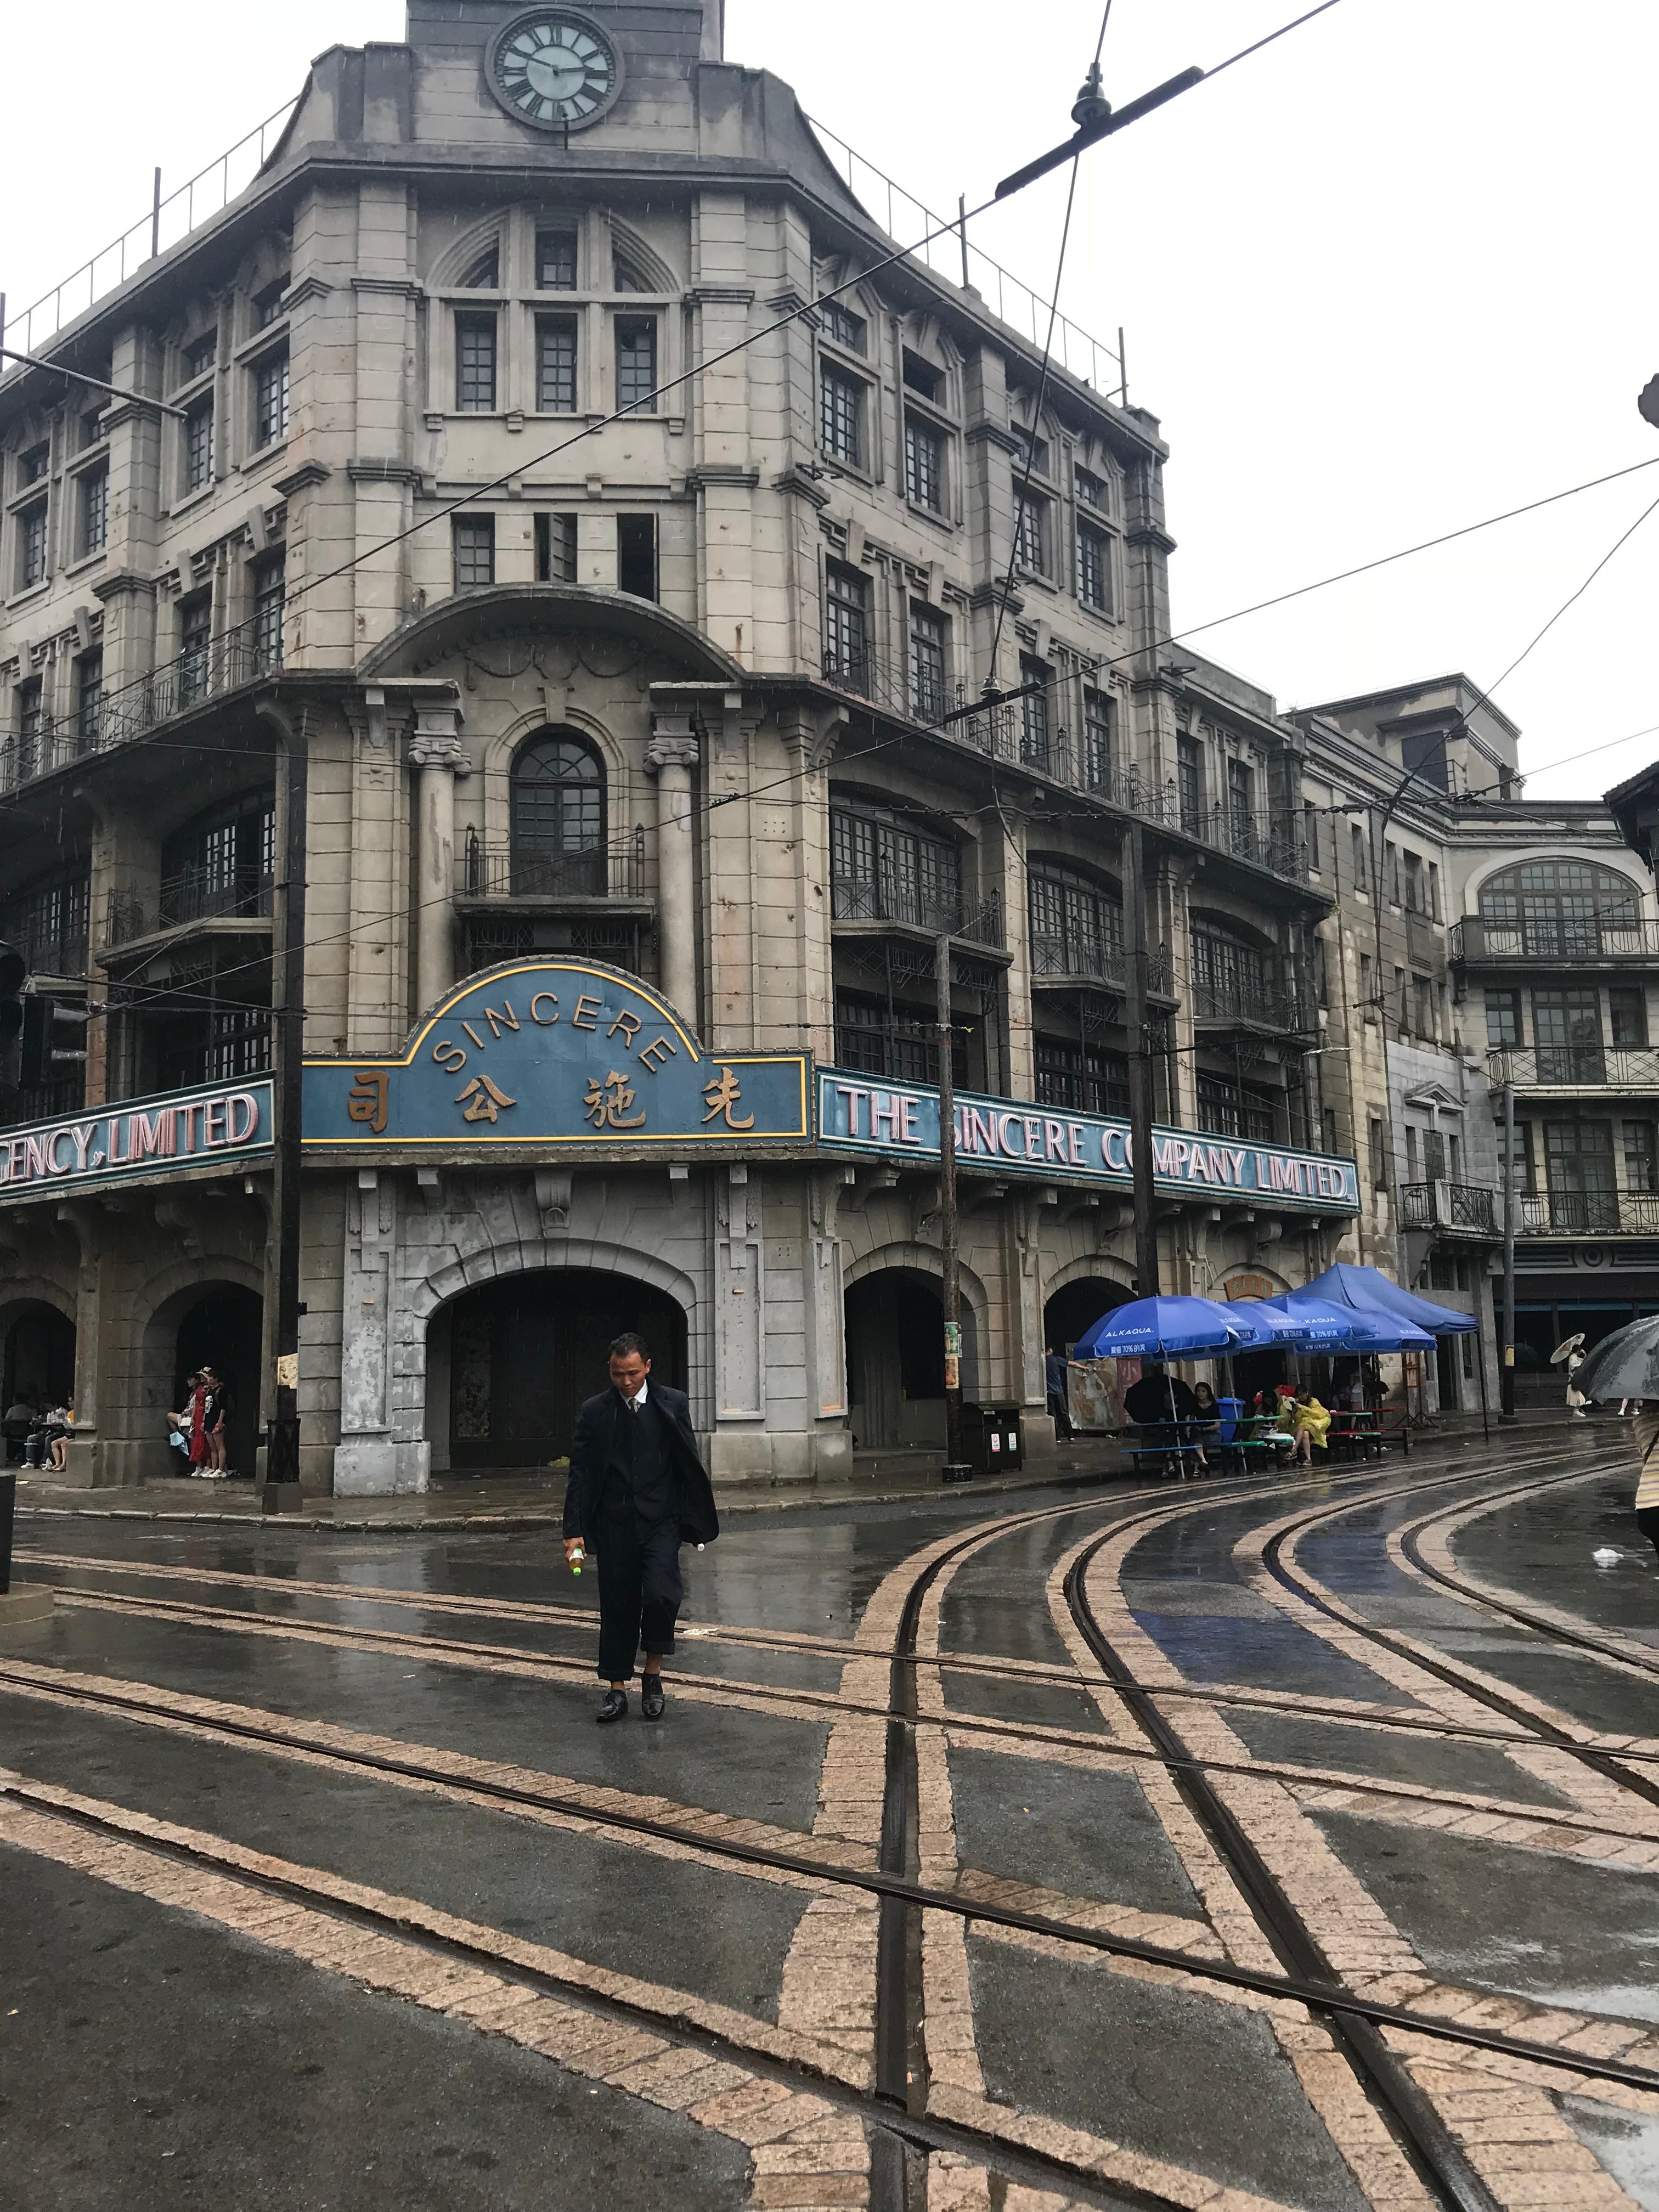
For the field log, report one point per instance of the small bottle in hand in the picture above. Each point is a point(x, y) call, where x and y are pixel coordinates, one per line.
point(575, 1554)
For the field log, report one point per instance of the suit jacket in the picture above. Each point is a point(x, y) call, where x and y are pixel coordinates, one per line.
point(590, 1457)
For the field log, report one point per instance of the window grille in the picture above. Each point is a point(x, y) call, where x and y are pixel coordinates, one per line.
point(1031, 532)
point(1189, 784)
point(926, 663)
point(1093, 572)
point(89, 697)
point(1077, 928)
point(1099, 750)
point(94, 510)
point(198, 446)
point(1035, 721)
point(32, 546)
point(1081, 1080)
point(269, 595)
point(475, 364)
point(846, 626)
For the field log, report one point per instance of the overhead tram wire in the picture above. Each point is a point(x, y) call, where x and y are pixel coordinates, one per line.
point(1160, 96)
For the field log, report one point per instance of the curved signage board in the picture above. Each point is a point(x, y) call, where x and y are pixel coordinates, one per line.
point(859, 1114)
point(564, 1054)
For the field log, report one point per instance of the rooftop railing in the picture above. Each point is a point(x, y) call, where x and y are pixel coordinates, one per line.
point(165, 223)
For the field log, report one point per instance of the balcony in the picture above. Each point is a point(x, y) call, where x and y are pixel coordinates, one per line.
point(486, 873)
point(1575, 1067)
point(1569, 943)
point(1587, 1214)
point(1007, 734)
point(934, 912)
point(1460, 1208)
point(1248, 1004)
point(121, 717)
point(194, 896)
point(1091, 962)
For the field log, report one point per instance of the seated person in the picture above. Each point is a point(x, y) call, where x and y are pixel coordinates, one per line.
point(1208, 1416)
point(1312, 1421)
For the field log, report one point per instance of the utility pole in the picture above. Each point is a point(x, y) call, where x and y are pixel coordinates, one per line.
point(281, 1489)
point(1506, 1327)
point(955, 1470)
point(1140, 1070)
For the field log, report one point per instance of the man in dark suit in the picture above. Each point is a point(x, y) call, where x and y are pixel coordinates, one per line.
point(637, 1492)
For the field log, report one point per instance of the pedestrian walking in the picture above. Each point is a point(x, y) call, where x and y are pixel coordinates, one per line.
point(214, 1412)
point(638, 1490)
point(1055, 1385)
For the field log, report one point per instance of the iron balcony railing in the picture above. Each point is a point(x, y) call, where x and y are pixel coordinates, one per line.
point(598, 871)
point(135, 710)
point(1442, 1204)
point(1077, 957)
point(1575, 1067)
point(1010, 732)
point(1270, 1002)
point(1593, 937)
point(60, 952)
point(940, 913)
point(193, 895)
point(1587, 1214)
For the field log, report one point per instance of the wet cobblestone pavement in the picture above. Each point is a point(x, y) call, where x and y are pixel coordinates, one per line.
point(1287, 1842)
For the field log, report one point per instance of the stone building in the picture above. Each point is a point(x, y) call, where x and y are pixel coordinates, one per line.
point(619, 620)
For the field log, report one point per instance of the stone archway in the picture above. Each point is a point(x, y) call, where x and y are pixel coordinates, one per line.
point(36, 1353)
point(1076, 1303)
point(510, 1361)
point(203, 1313)
point(895, 1338)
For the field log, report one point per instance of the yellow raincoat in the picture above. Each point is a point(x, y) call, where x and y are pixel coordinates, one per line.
point(1313, 1416)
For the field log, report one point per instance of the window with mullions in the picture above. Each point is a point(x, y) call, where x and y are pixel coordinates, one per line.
point(1578, 1174)
point(31, 546)
point(846, 626)
point(1561, 909)
point(1641, 1156)
point(485, 273)
point(1189, 784)
point(1036, 721)
point(1232, 1109)
point(881, 873)
point(222, 863)
point(1091, 492)
point(475, 551)
point(841, 427)
point(896, 1044)
point(555, 260)
point(1567, 1035)
point(33, 465)
point(924, 465)
point(1627, 1015)
point(1077, 927)
point(1099, 743)
point(239, 1043)
point(200, 357)
point(198, 446)
point(1031, 532)
point(31, 729)
point(636, 362)
point(94, 510)
point(475, 364)
point(48, 925)
point(846, 328)
point(1230, 979)
point(558, 820)
point(1502, 1018)
point(89, 699)
point(1240, 799)
point(270, 387)
point(1079, 1079)
point(270, 601)
point(268, 304)
point(1094, 571)
point(928, 636)
point(195, 646)
point(555, 364)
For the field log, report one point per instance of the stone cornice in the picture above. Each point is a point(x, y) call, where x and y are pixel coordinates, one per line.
point(124, 580)
point(302, 478)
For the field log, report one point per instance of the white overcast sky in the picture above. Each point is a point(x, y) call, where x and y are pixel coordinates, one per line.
point(1389, 276)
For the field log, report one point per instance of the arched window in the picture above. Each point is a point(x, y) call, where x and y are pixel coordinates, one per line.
point(1560, 910)
point(1077, 924)
point(558, 819)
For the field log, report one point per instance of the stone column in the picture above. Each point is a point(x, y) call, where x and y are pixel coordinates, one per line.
point(671, 755)
point(436, 759)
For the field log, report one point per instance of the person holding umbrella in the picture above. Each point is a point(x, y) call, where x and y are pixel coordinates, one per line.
point(1626, 1365)
point(1570, 1355)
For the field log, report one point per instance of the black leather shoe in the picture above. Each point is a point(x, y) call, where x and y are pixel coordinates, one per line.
point(651, 1697)
point(613, 1706)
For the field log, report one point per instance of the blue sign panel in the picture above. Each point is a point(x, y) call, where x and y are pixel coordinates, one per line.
point(856, 1114)
point(220, 1125)
point(561, 1053)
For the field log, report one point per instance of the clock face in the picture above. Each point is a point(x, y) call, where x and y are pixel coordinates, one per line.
point(554, 70)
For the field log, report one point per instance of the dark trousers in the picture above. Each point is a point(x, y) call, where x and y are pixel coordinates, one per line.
point(639, 1591)
point(1648, 1522)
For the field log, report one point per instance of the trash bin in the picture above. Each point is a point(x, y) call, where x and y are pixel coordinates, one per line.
point(994, 1438)
point(1232, 1411)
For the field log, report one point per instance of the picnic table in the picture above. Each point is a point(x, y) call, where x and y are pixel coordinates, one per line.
point(1368, 1432)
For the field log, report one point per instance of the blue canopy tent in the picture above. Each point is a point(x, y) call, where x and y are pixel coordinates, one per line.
point(1368, 1291)
point(1351, 1329)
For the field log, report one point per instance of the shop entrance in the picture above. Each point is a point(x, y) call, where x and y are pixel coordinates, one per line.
point(225, 1330)
point(896, 1360)
point(1076, 1307)
point(523, 1353)
point(38, 1356)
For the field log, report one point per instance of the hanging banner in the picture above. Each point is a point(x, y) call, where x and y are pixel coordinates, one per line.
point(858, 1112)
point(559, 1053)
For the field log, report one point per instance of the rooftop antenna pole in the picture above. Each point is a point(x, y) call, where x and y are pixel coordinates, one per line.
point(1123, 370)
point(156, 220)
point(962, 216)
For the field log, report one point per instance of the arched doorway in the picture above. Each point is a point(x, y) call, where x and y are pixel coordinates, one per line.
point(895, 1359)
point(224, 1329)
point(39, 1356)
point(1076, 1307)
point(520, 1355)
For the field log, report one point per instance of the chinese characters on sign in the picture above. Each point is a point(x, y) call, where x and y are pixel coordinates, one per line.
point(607, 1104)
point(366, 1101)
point(488, 1100)
point(721, 1095)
